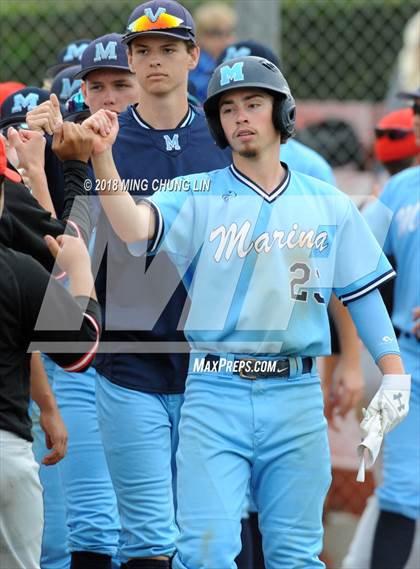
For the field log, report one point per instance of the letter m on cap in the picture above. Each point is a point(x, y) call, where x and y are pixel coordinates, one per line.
point(74, 51)
point(24, 104)
point(107, 53)
point(231, 73)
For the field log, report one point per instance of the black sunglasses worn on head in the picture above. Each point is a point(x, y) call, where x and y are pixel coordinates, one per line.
point(393, 133)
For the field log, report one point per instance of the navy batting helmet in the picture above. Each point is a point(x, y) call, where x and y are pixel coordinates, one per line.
point(255, 72)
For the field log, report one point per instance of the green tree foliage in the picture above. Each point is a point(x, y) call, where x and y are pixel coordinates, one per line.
point(341, 49)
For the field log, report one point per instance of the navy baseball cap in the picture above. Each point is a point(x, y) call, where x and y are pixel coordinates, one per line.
point(65, 84)
point(249, 47)
point(164, 17)
point(70, 55)
point(15, 107)
point(105, 52)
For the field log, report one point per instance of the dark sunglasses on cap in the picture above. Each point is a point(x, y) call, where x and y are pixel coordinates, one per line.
point(393, 133)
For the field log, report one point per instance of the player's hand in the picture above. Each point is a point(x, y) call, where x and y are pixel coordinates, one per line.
point(55, 436)
point(72, 142)
point(46, 116)
point(346, 390)
point(391, 402)
point(387, 409)
point(416, 318)
point(70, 253)
point(30, 148)
point(104, 125)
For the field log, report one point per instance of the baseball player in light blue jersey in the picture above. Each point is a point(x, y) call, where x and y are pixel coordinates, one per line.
point(260, 249)
point(398, 209)
point(342, 377)
point(397, 149)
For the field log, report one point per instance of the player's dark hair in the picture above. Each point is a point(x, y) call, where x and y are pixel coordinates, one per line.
point(190, 46)
point(395, 166)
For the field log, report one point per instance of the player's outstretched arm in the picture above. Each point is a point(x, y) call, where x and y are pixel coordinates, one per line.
point(72, 256)
point(66, 325)
point(30, 148)
point(130, 222)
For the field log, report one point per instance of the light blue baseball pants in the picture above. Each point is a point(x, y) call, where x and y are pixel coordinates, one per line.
point(400, 489)
point(92, 514)
point(270, 432)
point(140, 435)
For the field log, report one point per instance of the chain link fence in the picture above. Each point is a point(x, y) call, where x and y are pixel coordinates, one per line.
point(331, 49)
point(345, 51)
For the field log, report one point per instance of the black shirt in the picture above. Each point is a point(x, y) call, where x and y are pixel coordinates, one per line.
point(23, 284)
point(24, 222)
point(22, 287)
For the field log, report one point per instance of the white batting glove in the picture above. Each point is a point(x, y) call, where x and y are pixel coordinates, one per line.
point(387, 409)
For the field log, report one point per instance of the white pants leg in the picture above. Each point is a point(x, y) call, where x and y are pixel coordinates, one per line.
point(21, 511)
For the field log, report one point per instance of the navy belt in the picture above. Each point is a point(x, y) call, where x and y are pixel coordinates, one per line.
point(247, 367)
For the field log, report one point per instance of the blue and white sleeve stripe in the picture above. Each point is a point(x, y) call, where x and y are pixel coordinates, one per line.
point(368, 287)
point(154, 242)
point(140, 248)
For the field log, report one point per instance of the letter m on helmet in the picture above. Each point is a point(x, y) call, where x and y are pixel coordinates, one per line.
point(231, 73)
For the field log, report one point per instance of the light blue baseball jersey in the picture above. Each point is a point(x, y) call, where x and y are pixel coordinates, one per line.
point(300, 157)
point(394, 219)
point(260, 267)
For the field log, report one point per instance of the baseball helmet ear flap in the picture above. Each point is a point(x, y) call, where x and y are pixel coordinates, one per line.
point(284, 115)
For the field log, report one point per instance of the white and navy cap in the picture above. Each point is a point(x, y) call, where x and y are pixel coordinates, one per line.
point(105, 52)
point(65, 84)
point(163, 17)
point(70, 55)
point(410, 94)
point(16, 105)
point(248, 47)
